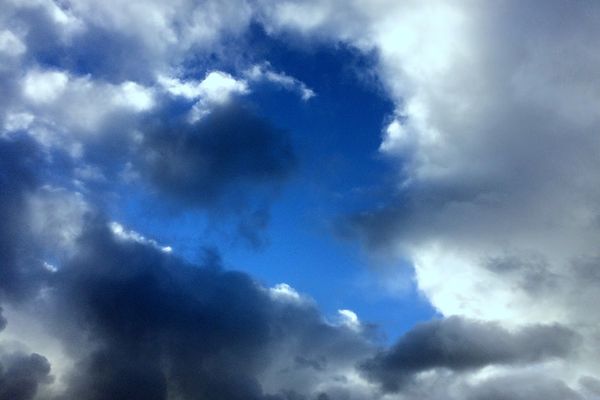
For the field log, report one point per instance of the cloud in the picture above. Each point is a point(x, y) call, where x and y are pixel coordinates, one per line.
point(21, 374)
point(264, 72)
point(112, 43)
point(216, 89)
point(493, 147)
point(10, 44)
point(18, 178)
point(120, 232)
point(216, 158)
point(141, 323)
point(530, 387)
point(460, 345)
point(130, 320)
point(349, 319)
point(495, 202)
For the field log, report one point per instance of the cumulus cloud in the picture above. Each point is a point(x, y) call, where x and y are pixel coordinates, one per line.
point(216, 89)
point(482, 175)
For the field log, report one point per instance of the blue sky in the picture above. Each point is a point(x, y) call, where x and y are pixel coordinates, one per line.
point(339, 171)
point(299, 200)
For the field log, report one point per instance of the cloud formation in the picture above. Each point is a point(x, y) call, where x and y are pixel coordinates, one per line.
point(228, 150)
point(494, 146)
point(457, 344)
point(21, 374)
point(134, 321)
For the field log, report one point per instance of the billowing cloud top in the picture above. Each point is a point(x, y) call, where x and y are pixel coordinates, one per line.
point(492, 142)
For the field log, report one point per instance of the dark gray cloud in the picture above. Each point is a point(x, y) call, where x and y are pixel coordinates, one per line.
point(2, 320)
point(154, 320)
point(19, 268)
point(160, 327)
point(141, 324)
point(21, 374)
point(218, 157)
point(459, 344)
point(232, 163)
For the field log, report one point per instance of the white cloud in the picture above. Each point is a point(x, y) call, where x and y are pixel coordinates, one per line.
point(44, 86)
point(284, 292)
point(135, 96)
point(65, 110)
point(217, 88)
point(129, 235)
point(349, 319)
point(188, 89)
point(264, 72)
point(10, 44)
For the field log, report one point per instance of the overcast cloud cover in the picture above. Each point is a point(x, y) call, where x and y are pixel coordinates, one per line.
point(492, 143)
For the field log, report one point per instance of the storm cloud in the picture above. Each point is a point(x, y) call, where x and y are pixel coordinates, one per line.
point(160, 328)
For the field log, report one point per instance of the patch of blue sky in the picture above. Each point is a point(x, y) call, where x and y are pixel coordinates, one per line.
point(335, 136)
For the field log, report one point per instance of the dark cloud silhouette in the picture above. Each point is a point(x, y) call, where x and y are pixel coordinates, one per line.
point(157, 321)
point(460, 344)
point(19, 268)
point(2, 320)
point(21, 374)
point(231, 163)
point(409, 214)
point(217, 158)
point(142, 324)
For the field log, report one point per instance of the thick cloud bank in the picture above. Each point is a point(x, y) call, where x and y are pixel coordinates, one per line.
point(494, 147)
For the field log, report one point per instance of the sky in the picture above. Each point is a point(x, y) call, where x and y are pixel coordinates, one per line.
point(299, 200)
